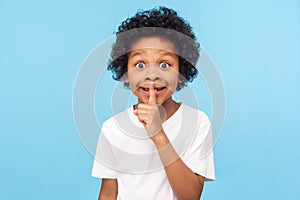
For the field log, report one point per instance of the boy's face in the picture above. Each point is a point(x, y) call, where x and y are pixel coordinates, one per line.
point(153, 59)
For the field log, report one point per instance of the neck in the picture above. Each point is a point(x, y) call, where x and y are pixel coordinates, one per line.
point(170, 107)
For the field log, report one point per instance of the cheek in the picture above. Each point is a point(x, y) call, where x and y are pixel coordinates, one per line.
point(173, 86)
point(134, 78)
point(132, 85)
point(173, 80)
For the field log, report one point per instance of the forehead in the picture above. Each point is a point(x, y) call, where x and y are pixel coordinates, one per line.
point(156, 44)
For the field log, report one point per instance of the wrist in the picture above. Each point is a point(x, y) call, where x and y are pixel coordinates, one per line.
point(160, 139)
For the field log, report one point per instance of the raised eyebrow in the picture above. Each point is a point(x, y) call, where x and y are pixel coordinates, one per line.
point(169, 54)
point(164, 53)
point(134, 54)
point(139, 55)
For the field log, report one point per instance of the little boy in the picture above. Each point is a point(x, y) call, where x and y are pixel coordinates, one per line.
point(159, 148)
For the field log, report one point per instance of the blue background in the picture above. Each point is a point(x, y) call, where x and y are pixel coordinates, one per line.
point(255, 44)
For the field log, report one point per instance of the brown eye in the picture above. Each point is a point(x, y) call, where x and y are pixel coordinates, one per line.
point(140, 65)
point(164, 65)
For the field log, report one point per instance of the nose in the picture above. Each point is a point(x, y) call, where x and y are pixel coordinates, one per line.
point(152, 74)
point(152, 77)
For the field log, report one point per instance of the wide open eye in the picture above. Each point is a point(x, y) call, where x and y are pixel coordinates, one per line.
point(140, 65)
point(164, 65)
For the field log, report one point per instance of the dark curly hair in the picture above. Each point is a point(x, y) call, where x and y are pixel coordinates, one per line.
point(158, 22)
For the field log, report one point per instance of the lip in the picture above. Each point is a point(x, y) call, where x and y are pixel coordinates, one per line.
point(158, 89)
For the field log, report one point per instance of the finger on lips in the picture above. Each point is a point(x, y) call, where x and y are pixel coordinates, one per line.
point(143, 108)
point(152, 97)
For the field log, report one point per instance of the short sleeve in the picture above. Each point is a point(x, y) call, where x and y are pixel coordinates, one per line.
point(199, 158)
point(103, 153)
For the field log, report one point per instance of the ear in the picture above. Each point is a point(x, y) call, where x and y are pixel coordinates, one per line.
point(180, 80)
point(125, 78)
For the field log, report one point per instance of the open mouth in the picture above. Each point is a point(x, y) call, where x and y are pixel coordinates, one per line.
point(156, 89)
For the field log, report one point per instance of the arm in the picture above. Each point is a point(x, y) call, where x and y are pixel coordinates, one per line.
point(109, 189)
point(184, 182)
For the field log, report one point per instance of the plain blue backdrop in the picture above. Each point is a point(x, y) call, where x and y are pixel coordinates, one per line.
point(255, 44)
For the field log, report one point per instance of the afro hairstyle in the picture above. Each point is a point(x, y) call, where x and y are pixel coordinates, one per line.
point(148, 24)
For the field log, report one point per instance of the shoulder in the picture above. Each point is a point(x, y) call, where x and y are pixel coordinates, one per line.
point(196, 115)
point(113, 122)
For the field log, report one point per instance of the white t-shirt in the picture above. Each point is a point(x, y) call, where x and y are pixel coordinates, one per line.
point(125, 152)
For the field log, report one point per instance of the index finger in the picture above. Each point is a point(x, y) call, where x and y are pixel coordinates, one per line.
point(152, 97)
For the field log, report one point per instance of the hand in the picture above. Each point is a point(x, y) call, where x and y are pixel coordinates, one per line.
point(150, 114)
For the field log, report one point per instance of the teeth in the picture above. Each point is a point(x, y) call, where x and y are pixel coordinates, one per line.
point(155, 89)
point(159, 89)
point(145, 89)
